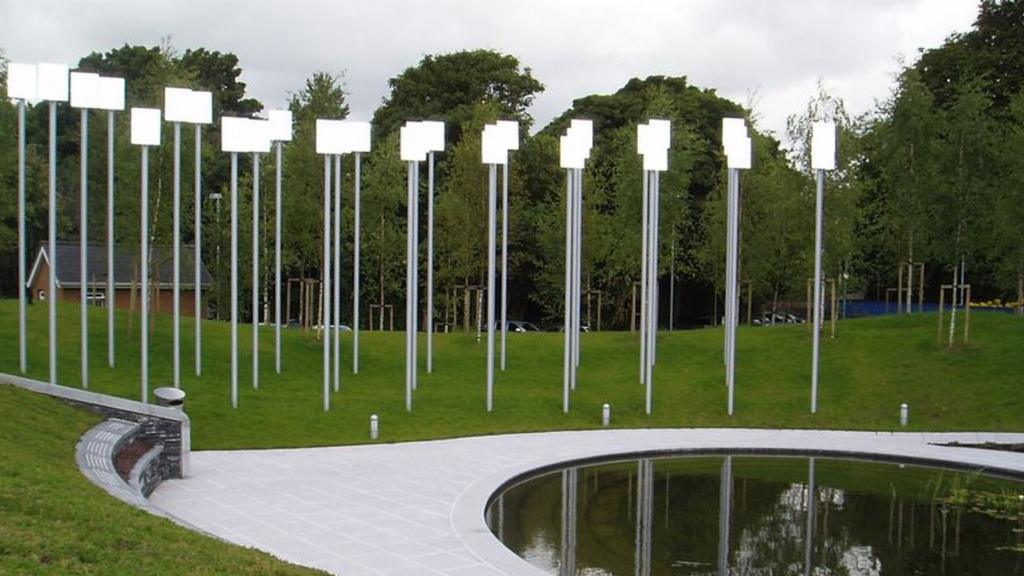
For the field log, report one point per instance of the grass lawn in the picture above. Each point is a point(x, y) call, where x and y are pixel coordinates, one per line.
point(54, 521)
point(867, 371)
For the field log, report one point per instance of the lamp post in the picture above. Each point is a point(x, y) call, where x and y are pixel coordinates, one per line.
point(414, 147)
point(357, 142)
point(53, 87)
point(111, 99)
point(239, 135)
point(574, 149)
point(510, 131)
point(22, 85)
point(145, 132)
point(737, 147)
point(182, 105)
point(434, 140)
point(823, 157)
point(85, 94)
point(280, 132)
point(653, 142)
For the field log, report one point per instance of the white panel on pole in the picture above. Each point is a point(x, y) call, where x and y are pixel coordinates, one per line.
point(22, 81)
point(330, 137)
point(85, 90)
point(413, 146)
point(492, 150)
point(53, 82)
point(358, 135)
point(509, 130)
point(433, 135)
point(111, 94)
point(569, 156)
point(145, 126)
point(177, 104)
point(823, 146)
point(280, 125)
point(200, 107)
point(232, 134)
point(584, 131)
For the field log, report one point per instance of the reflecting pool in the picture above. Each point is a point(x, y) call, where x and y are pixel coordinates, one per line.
point(763, 515)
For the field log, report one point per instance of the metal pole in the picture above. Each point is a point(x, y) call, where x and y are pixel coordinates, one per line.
point(819, 208)
point(83, 234)
point(325, 284)
point(256, 270)
point(337, 272)
point(234, 280)
point(355, 274)
point(652, 267)
point(577, 275)
point(409, 256)
point(672, 284)
point(177, 255)
point(110, 238)
point(430, 263)
point(574, 307)
point(730, 287)
point(643, 276)
point(568, 291)
point(51, 287)
point(491, 242)
point(415, 274)
point(504, 264)
point(144, 259)
point(197, 219)
point(22, 300)
point(277, 262)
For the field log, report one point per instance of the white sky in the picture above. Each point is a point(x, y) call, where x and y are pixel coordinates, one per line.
point(776, 50)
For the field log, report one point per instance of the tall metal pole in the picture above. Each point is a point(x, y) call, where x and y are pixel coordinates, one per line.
point(567, 368)
point(355, 273)
point(819, 209)
point(574, 303)
point(491, 242)
point(144, 259)
point(643, 274)
point(656, 233)
point(415, 259)
point(730, 286)
point(430, 263)
point(409, 281)
point(51, 287)
point(652, 275)
point(256, 270)
point(336, 324)
point(22, 300)
point(277, 262)
point(197, 257)
point(83, 235)
point(577, 273)
point(110, 238)
point(325, 283)
point(504, 264)
point(177, 255)
point(234, 280)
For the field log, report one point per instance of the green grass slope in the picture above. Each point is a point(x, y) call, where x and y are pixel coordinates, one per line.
point(867, 371)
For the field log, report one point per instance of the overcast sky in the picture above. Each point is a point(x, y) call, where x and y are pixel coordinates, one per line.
point(769, 53)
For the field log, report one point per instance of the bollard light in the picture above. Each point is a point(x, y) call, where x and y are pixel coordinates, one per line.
point(374, 427)
point(606, 415)
point(904, 414)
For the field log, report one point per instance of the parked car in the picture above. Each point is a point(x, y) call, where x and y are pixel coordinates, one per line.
point(521, 326)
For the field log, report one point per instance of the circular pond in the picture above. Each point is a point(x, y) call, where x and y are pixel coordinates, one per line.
point(763, 515)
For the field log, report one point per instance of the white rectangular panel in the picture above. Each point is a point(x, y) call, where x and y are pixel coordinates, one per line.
point(146, 126)
point(111, 94)
point(52, 82)
point(21, 81)
point(85, 90)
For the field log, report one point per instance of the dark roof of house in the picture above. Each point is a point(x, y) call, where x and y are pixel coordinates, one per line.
point(126, 264)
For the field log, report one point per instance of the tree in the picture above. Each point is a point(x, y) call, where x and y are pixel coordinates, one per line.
point(451, 85)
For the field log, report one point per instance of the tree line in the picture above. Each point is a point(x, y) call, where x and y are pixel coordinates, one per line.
point(932, 175)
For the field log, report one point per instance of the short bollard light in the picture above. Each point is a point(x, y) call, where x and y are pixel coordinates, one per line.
point(374, 427)
point(904, 414)
point(606, 415)
point(170, 397)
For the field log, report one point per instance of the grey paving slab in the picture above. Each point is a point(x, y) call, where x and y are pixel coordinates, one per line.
point(418, 508)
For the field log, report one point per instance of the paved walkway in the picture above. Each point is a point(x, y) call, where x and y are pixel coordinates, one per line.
point(418, 508)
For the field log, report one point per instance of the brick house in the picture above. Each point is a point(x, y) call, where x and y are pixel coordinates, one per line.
point(127, 273)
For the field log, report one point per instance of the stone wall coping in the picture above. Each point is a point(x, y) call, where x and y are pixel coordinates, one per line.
point(94, 398)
